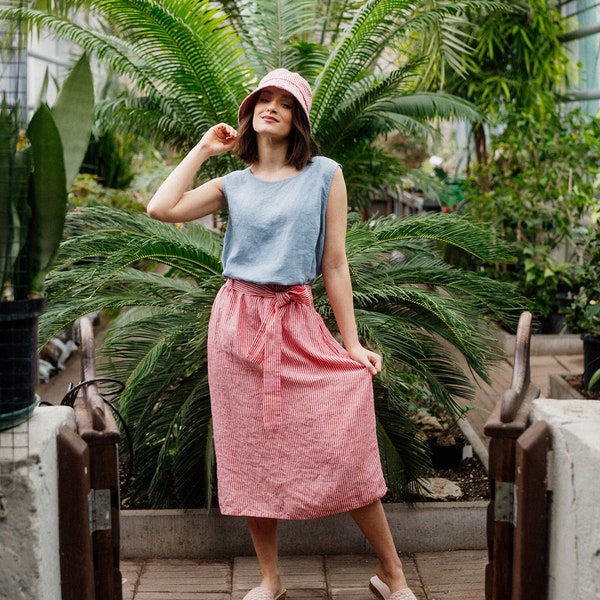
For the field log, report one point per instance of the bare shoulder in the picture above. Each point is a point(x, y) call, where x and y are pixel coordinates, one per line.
point(337, 191)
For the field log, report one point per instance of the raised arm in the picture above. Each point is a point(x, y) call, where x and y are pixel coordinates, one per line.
point(173, 201)
point(336, 275)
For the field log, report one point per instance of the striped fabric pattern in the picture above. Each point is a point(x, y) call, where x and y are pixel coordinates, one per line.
point(293, 414)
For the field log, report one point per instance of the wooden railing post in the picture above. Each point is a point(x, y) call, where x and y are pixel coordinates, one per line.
point(97, 427)
point(531, 534)
point(76, 549)
point(506, 423)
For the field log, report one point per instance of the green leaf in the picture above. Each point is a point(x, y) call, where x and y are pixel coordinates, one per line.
point(14, 179)
point(73, 113)
point(49, 198)
point(594, 380)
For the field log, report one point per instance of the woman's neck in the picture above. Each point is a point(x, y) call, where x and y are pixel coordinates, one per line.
point(272, 162)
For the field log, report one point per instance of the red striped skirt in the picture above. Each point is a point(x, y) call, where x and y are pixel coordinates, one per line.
point(293, 414)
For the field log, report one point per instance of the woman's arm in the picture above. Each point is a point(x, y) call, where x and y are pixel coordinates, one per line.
point(336, 274)
point(172, 202)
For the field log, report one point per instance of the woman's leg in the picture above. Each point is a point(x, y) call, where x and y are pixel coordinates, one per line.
point(264, 538)
point(373, 523)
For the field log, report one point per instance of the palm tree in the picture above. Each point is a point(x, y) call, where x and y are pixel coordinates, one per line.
point(191, 63)
point(410, 304)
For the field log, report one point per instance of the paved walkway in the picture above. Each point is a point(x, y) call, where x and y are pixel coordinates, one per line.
point(455, 575)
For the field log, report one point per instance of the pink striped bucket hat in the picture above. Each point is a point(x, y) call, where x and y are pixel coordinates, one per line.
point(293, 83)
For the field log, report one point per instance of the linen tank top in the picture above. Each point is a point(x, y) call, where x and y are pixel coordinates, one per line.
point(276, 229)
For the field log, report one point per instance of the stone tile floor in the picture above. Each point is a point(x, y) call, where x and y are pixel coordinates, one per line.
point(455, 575)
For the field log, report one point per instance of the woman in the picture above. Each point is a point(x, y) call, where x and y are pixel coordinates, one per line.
point(293, 413)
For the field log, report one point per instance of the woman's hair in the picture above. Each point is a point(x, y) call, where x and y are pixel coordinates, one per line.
point(302, 148)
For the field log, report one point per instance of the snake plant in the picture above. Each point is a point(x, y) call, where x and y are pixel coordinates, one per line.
point(37, 167)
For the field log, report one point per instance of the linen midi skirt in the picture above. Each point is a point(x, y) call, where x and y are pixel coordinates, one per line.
point(293, 414)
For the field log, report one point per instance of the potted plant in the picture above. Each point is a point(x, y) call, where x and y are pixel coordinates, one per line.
point(37, 166)
point(440, 429)
point(446, 445)
point(583, 314)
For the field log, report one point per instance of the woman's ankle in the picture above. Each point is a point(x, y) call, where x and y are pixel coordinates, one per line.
point(392, 575)
point(272, 583)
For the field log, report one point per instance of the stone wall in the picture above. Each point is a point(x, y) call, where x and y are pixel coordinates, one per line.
point(574, 481)
point(29, 550)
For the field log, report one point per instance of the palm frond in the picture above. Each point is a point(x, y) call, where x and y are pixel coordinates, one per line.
point(429, 105)
point(358, 48)
point(183, 55)
point(389, 235)
point(269, 26)
point(375, 25)
point(410, 305)
point(350, 121)
point(404, 460)
point(165, 400)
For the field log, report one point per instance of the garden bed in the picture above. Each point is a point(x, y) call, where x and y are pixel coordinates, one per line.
point(471, 477)
point(568, 386)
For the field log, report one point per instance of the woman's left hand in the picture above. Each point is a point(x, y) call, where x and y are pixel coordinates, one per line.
point(371, 360)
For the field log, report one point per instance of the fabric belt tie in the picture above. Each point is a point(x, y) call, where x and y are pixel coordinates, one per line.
point(266, 346)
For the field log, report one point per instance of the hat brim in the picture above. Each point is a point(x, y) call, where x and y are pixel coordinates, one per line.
point(246, 105)
point(281, 84)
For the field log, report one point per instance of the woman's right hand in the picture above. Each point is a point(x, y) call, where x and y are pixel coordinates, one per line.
point(174, 202)
point(218, 139)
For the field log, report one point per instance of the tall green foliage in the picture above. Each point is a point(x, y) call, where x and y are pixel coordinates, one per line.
point(518, 65)
point(541, 185)
point(191, 62)
point(535, 173)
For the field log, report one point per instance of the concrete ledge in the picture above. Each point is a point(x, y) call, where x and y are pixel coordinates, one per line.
point(428, 527)
point(544, 344)
point(574, 535)
point(561, 390)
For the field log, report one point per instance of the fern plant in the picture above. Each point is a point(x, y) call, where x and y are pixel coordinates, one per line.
point(417, 310)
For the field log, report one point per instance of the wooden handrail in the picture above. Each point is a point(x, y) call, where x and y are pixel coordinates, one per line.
point(521, 376)
point(505, 427)
point(93, 400)
point(97, 427)
point(510, 415)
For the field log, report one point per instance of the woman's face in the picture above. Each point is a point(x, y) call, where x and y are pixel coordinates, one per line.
point(273, 113)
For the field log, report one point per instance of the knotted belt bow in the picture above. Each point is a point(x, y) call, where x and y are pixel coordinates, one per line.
point(266, 346)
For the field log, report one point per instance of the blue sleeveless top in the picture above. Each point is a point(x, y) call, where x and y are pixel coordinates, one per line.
point(276, 229)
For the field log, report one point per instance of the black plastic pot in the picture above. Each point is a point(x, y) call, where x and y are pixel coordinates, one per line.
point(591, 359)
point(18, 359)
point(446, 457)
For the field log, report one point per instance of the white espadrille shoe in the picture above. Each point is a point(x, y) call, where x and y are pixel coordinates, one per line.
point(262, 593)
point(382, 592)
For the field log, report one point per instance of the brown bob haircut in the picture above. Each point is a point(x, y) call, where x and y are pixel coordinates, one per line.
point(301, 149)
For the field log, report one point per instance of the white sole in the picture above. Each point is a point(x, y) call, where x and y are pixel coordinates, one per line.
point(379, 589)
